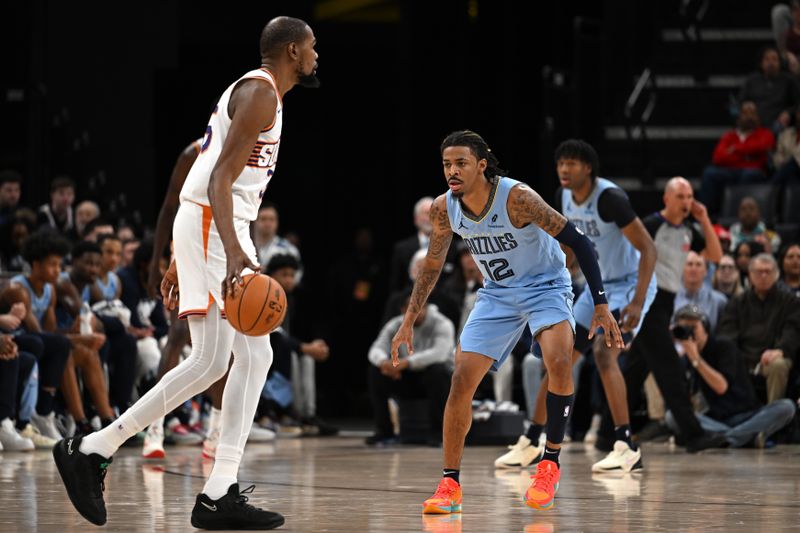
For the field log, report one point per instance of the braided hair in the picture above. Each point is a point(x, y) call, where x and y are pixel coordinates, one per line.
point(479, 149)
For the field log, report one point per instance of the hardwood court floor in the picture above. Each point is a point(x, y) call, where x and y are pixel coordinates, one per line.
point(337, 484)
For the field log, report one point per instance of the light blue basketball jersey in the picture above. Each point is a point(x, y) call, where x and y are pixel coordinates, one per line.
point(109, 291)
point(39, 304)
point(617, 256)
point(86, 294)
point(508, 256)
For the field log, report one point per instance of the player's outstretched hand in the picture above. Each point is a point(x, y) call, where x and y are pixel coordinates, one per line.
point(237, 261)
point(169, 287)
point(405, 335)
point(630, 316)
point(604, 319)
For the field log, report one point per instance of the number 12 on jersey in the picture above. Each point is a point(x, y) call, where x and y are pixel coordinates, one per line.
point(497, 269)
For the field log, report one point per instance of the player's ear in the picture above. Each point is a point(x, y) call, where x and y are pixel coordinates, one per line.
point(293, 50)
point(482, 164)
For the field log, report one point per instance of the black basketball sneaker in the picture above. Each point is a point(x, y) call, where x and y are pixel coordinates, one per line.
point(83, 477)
point(232, 512)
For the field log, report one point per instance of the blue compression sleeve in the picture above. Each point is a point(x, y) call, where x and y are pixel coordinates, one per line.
point(587, 259)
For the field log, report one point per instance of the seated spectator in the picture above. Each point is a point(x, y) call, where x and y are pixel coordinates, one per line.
point(695, 291)
point(790, 269)
point(57, 215)
point(148, 320)
point(13, 238)
point(426, 373)
point(302, 356)
point(125, 233)
point(774, 93)
point(786, 28)
point(787, 153)
point(108, 280)
point(726, 277)
point(722, 377)
point(10, 193)
point(440, 296)
point(764, 324)
point(268, 242)
point(128, 249)
point(84, 213)
point(96, 228)
point(743, 253)
point(740, 157)
point(751, 228)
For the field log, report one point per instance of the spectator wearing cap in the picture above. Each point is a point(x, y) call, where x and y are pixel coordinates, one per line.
point(696, 292)
point(57, 215)
point(722, 378)
point(764, 324)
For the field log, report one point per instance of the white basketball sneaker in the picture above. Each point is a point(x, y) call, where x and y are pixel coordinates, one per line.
point(520, 455)
point(39, 440)
point(620, 459)
point(11, 440)
point(46, 425)
point(259, 434)
point(154, 442)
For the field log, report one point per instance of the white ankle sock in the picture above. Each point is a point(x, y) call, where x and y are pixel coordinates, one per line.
point(226, 466)
point(106, 442)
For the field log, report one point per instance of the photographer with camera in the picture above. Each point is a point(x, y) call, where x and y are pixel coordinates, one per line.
point(722, 377)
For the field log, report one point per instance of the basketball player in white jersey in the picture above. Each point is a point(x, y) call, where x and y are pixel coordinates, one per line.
point(212, 248)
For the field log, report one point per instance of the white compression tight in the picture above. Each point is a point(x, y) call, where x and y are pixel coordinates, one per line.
point(212, 341)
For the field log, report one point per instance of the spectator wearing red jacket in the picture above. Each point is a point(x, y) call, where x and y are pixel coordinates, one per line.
point(740, 157)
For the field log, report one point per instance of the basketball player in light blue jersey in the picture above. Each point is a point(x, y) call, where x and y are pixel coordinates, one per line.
point(513, 236)
point(627, 257)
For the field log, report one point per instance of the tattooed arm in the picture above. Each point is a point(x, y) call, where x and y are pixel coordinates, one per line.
point(429, 270)
point(526, 206)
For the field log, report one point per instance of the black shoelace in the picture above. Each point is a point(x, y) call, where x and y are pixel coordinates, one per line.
point(242, 499)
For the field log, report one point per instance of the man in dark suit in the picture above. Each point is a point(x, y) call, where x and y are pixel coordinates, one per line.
point(405, 249)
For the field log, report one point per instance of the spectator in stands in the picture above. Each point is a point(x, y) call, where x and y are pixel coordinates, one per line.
point(10, 193)
point(303, 355)
point(740, 156)
point(440, 296)
point(85, 212)
point(425, 373)
point(125, 232)
point(790, 269)
point(268, 242)
point(733, 407)
point(57, 215)
point(726, 278)
point(96, 228)
point(696, 292)
point(13, 239)
point(787, 153)
point(148, 319)
point(128, 249)
point(751, 228)
point(743, 253)
point(764, 323)
point(405, 249)
point(108, 280)
point(775, 93)
point(786, 27)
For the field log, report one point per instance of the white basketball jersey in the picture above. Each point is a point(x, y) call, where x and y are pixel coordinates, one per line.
point(249, 187)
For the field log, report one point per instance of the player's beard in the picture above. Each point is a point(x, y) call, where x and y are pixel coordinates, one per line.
point(307, 80)
point(458, 195)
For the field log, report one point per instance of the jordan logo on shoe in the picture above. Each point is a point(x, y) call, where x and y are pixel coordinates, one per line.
point(69, 447)
point(212, 508)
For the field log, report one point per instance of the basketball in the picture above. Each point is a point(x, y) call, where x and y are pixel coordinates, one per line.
point(258, 307)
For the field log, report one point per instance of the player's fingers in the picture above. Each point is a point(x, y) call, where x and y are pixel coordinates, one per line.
point(618, 337)
point(592, 328)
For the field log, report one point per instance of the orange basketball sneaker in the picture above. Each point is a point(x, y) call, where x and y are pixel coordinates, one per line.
point(542, 491)
point(446, 499)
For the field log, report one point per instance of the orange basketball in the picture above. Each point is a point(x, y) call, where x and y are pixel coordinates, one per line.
point(259, 306)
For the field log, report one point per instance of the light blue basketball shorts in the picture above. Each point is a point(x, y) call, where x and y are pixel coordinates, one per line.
point(501, 313)
point(619, 294)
